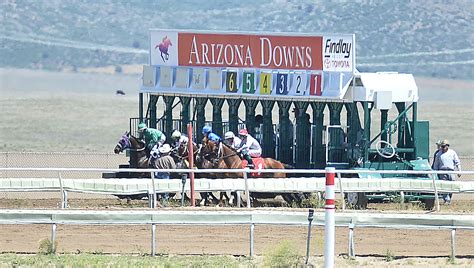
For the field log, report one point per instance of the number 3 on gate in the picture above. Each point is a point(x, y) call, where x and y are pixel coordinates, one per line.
point(265, 83)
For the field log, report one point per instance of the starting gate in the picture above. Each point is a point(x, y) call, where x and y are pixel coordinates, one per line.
point(291, 91)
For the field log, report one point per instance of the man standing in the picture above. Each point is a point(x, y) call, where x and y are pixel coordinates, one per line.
point(447, 159)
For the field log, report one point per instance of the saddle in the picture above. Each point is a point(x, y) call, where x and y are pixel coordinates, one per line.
point(259, 164)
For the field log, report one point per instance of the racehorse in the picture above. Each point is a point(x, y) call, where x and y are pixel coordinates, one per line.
point(181, 155)
point(225, 157)
point(138, 156)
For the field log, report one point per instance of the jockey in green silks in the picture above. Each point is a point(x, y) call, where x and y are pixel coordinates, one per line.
point(153, 137)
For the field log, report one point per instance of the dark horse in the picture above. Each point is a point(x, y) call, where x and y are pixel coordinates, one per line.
point(138, 158)
point(181, 156)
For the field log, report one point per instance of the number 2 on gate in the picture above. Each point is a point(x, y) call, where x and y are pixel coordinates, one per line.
point(298, 86)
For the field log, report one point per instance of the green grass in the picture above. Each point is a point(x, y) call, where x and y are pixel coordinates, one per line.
point(100, 260)
point(284, 254)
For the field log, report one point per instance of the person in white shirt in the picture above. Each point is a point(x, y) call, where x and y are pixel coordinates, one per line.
point(179, 138)
point(249, 147)
point(232, 140)
point(447, 159)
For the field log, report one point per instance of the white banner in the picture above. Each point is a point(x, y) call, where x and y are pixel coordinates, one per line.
point(338, 53)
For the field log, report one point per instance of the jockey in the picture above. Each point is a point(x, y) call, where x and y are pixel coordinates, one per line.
point(231, 140)
point(249, 147)
point(207, 132)
point(179, 138)
point(153, 137)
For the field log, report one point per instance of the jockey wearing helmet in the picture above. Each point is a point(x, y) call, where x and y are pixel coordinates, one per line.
point(231, 140)
point(249, 147)
point(207, 132)
point(153, 137)
point(179, 138)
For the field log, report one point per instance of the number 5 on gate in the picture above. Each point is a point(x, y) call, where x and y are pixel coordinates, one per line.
point(265, 83)
point(248, 85)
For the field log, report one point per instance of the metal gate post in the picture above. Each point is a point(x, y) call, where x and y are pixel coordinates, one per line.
point(200, 118)
point(308, 239)
point(217, 115)
point(252, 230)
point(267, 129)
point(234, 114)
point(351, 240)
point(168, 116)
point(153, 240)
point(185, 103)
point(285, 146)
point(317, 141)
point(250, 106)
point(453, 243)
point(336, 135)
point(53, 238)
point(303, 136)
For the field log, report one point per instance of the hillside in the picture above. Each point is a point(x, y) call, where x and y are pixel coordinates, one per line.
point(427, 38)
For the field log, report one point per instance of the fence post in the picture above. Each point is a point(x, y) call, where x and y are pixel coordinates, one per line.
point(308, 239)
point(342, 192)
point(153, 198)
point(53, 238)
point(252, 228)
point(436, 192)
point(329, 226)
point(453, 243)
point(247, 188)
point(351, 240)
point(153, 239)
point(63, 196)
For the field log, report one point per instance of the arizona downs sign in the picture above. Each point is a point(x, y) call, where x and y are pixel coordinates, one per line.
point(252, 50)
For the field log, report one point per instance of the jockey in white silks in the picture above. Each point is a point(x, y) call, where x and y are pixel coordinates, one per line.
point(249, 147)
point(231, 140)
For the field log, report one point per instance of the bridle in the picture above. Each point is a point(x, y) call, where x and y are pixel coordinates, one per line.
point(128, 145)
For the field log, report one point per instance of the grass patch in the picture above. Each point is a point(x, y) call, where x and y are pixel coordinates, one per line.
point(100, 260)
point(389, 256)
point(46, 247)
point(284, 254)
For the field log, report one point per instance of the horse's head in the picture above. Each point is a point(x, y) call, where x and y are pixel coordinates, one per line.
point(123, 143)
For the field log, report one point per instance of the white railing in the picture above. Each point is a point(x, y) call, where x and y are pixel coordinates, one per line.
point(238, 217)
point(281, 185)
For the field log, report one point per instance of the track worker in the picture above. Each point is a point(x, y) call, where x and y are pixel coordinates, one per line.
point(179, 139)
point(249, 147)
point(153, 137)
point(207, 132)
point(447, 159)
point(231, 140)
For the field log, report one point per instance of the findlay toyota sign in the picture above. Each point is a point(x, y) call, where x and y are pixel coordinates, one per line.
point(262, 51)
point(249, 65)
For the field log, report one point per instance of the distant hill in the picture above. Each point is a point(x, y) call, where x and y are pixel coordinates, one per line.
point(427, 38)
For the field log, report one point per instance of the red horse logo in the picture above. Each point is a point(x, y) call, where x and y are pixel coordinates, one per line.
point(163, 46)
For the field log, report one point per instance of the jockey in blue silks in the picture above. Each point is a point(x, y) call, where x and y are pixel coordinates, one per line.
point(207, 132)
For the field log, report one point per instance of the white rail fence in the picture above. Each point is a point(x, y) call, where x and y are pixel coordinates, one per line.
point(239, 217)
point(373, 183)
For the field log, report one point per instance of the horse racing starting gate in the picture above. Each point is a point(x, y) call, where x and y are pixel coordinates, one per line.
point(231, 80)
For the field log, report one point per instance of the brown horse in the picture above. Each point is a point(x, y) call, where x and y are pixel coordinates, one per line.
point(225, 157)
point(181, 156)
